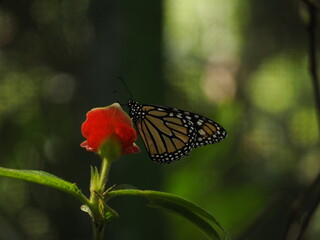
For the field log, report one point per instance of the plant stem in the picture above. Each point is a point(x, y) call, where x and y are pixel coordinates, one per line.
point(98, 231)
point(98, 207)
point(104, 172)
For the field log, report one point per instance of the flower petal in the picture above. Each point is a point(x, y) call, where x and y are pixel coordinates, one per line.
point(132, 149)
point(103, 124)
point(85, 145)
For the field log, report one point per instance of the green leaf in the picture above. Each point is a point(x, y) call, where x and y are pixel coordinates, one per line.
point(124, 187)
point(46, 179)
point(181, 206)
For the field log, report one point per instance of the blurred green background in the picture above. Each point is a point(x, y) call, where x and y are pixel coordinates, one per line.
point(240, 63)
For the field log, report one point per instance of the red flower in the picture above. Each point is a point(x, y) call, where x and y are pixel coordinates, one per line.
point(109, 124)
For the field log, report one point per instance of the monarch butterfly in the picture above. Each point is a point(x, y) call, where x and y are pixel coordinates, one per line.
point(169, 133)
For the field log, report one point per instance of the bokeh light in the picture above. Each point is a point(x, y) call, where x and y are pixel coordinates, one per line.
point(35, 223)
point(7, 28)
point(59, 88)
point(273, 85)
point(17, 90)
point(303, 127)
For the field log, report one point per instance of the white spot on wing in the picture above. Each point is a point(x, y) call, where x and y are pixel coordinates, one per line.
point(202, 132)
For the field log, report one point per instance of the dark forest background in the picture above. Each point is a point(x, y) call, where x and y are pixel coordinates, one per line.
point(243, 64)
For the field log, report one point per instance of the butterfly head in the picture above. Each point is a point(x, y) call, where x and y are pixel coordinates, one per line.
point(135, 109)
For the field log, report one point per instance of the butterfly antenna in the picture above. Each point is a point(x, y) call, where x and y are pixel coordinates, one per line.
point(126, 87)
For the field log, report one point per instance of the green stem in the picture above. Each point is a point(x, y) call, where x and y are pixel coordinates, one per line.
point(98, 207)
point(104, 172)
point(98, 231)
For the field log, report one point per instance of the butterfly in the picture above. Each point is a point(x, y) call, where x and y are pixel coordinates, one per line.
point(169, 133)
